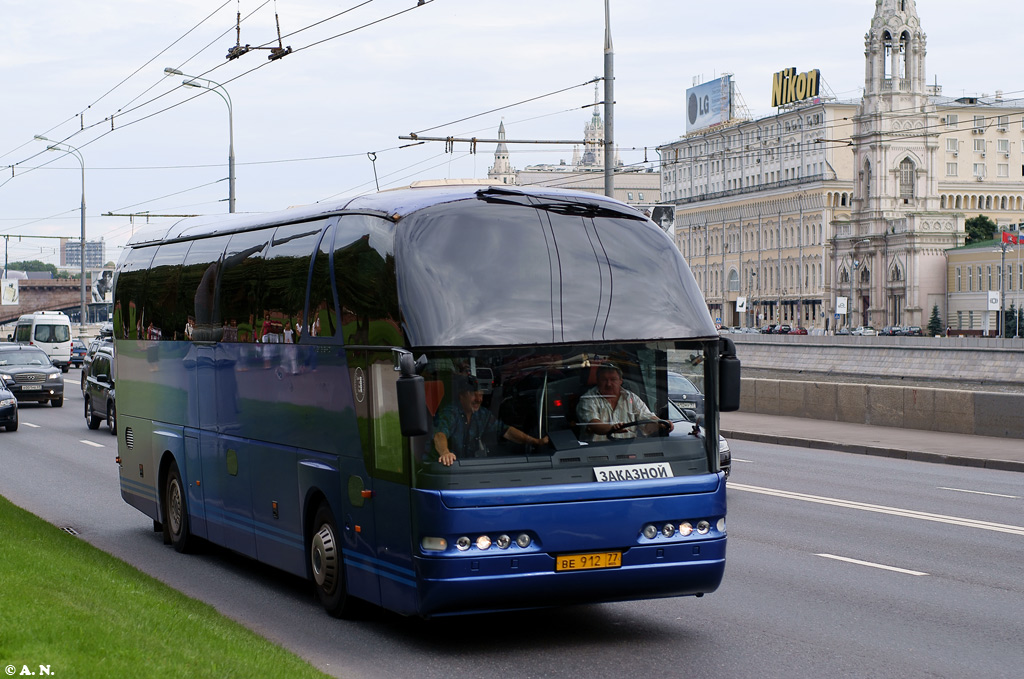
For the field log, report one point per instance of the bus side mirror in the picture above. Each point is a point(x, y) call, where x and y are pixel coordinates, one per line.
point(728, 377)
point(412, 396)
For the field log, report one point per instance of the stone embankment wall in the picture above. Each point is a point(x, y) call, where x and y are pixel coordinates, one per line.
point(960, 385)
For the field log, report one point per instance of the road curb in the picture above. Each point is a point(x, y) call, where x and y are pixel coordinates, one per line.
point(878, 451)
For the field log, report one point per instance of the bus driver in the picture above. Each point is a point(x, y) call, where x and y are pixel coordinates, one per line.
point(460, 428)
point(608, 409)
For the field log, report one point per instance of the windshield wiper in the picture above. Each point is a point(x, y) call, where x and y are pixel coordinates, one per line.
point(563, 206)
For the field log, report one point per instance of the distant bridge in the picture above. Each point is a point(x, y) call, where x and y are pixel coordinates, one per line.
point(53, 295)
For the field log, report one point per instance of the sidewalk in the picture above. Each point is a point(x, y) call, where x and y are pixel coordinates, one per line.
point(989, 452)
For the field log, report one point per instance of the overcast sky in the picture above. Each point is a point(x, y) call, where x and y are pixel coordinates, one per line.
point(92, 73)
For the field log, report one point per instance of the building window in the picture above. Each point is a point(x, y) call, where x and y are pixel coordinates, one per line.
point(952, 120)
point(979, 145)
point(907, 178)
point(951, 144)
point(979, 169)
point(1003, 170)
point(979, 123)
point(1002, 122)
point(640, 195)
point(958, 279)
point(951, 169)
point(629, 196)
point(970, 279)
point(1003, 146)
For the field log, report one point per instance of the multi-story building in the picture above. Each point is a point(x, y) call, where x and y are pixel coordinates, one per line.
point(839, 212)
point(71, 254)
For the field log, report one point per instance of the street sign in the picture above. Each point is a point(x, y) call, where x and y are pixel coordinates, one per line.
point(841, 306)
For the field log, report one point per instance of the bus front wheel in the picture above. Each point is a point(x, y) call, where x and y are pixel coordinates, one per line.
point(328, 566)
point(176, 512)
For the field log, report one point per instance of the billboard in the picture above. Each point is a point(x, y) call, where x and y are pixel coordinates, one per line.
point(709, 104)
point(9, 291)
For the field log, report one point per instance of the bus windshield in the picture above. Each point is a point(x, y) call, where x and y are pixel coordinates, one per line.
point(541, 415)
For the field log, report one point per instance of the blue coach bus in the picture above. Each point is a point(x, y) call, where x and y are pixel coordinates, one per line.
point(282, 377)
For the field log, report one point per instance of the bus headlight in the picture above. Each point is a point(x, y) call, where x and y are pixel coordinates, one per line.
point(650, 531)
point(463, 543)
point(703, 527)
point(668, 530)
point(503, 542)
point(685, 528)
point(483, 542)
point(523, 541)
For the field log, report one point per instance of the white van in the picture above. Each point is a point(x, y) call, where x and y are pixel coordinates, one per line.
point(50, 331)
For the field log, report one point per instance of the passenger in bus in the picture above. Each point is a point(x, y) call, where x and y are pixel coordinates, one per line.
point(606, 408)
point(459, 428)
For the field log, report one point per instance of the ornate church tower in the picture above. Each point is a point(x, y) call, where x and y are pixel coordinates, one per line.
point(502, 170)
point(890, 254)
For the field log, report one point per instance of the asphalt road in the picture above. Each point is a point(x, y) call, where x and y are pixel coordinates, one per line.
point(839, 565)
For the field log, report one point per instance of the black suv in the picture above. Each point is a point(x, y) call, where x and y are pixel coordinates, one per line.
point(105, 339)
point(99, 390)
point(28, 373)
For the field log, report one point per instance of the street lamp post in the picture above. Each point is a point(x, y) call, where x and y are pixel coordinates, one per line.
point(1001, 322)
point(56, 146)
point(193, 81)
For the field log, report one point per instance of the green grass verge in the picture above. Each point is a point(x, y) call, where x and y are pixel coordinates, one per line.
point(69, 606)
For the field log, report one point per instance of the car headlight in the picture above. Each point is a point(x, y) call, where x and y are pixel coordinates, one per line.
point(6, 378)
point(7, 402)
point(53, 376)
point(723, 445)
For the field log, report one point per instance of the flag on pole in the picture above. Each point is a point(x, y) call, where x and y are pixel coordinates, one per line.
point(1010, 238)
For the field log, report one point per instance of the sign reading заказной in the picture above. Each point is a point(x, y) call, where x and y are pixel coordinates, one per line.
point(788, 86)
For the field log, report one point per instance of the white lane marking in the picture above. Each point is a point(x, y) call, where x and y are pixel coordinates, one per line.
point(979, 492)
point(740, 459)
point(29, 424)
point(90, 443)
point(871, 564)
point(881, 509)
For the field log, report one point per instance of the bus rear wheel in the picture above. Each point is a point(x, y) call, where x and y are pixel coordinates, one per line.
point(176, 531)
point(328, 566)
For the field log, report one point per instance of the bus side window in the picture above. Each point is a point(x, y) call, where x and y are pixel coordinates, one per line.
point(166, 310)
point(243, 288)
point(131, 279)
point(199, 277)
point(289, 259)
point(323, 307)
point(364, 274)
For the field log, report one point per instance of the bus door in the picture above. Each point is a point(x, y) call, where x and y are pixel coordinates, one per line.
point(385, 507)
point(226, 459)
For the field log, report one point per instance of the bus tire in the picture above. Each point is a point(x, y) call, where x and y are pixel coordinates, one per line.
point(327, 564)
point(176, 530)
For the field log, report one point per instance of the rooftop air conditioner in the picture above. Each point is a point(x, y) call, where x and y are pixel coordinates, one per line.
point(956, 153)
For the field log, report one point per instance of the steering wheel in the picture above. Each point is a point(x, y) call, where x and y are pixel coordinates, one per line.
point(666, 425)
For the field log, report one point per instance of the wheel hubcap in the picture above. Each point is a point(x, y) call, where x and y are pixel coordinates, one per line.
point(325, 559)
point(174, 507)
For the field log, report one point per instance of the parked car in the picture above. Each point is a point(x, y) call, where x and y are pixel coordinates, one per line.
point(912, 330)
point(782, 329)
point(843, 331)
point(8, 409)
point(864, 330)
point(27, 372)
point(891, 331)
point(798, 331)
point(684, 393)
point(78, 352)
point(99, 391)
point(767, 329)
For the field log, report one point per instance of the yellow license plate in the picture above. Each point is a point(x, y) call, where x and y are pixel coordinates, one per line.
point(583, 562)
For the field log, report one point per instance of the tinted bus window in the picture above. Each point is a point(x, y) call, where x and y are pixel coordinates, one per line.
point(199, 286)
point(129, 290)
point(364, 273)
point(323, 305)
point(243, 287)
point(288, 272)
point(167, 313)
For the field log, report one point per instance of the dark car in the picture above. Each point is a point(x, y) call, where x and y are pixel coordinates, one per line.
point(104, 340)
point(28, 374)
point(8, 409)
point(912, 331)
point(782, 329)
point(891, 331)
point(78, 351)
point(99, 391)
point(684, 394)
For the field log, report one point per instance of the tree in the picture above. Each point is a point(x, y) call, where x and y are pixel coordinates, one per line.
point(979, 229)
point(1011, 320)
point(935, 323)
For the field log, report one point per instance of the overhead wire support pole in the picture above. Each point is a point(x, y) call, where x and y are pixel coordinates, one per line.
point(609, 106)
